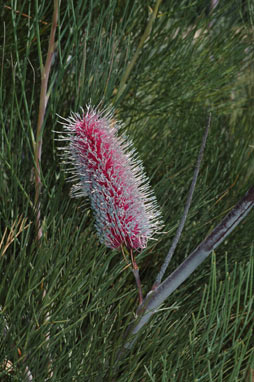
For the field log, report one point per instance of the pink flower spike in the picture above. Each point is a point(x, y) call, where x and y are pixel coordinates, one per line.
point(107, 171)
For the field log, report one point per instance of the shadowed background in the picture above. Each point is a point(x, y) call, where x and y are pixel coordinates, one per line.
point(194, 61)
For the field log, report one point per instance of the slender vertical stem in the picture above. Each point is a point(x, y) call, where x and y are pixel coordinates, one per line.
point(135, 270)
point(45, 70)
point(186, 209)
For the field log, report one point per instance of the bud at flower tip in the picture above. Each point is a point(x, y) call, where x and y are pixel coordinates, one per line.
point(106, 169)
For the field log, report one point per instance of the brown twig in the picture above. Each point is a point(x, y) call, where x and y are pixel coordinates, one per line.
point(45, 70)
point(135, 270)
point(24, 14)
point(17, 227)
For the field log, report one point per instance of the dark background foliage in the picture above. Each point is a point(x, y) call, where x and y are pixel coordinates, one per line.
point(66, 302)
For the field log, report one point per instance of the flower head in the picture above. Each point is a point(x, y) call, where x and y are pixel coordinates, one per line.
point(107, 170)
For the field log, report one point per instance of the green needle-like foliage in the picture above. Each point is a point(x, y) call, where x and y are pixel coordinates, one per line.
point(66, 300)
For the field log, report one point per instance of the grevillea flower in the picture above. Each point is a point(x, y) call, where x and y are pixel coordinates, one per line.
point(107, 170)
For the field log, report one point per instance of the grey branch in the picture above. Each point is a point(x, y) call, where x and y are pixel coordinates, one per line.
point(156, 297)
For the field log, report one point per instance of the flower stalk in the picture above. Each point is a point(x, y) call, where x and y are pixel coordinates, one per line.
point(106, 169)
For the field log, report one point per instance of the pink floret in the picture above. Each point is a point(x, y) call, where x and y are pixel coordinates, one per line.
point(124, 207)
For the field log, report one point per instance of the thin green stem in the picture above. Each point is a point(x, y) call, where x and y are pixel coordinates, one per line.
point(145, 35)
